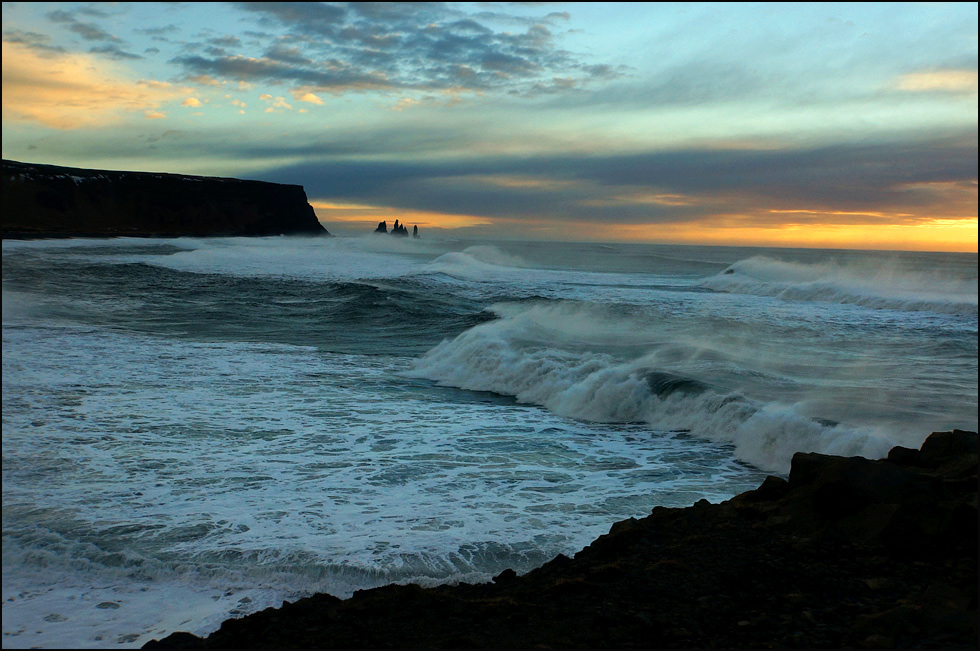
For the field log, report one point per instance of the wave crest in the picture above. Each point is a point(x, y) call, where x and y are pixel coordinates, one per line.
point(529, 354)
point(478, 262)
point(880, 286)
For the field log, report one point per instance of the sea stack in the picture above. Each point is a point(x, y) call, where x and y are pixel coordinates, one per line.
point(42, 201)
point(399, 230)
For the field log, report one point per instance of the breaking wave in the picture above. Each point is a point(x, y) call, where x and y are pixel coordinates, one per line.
point(879, 286)
point(531, 353)
point(481, 262)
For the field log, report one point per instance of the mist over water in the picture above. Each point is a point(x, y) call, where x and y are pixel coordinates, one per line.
point(196, 429)
point(888, 284)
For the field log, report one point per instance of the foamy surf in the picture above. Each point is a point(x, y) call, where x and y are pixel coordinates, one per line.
point(481, 263)
point(879, 285)
point(544, 355)
point(222, 424)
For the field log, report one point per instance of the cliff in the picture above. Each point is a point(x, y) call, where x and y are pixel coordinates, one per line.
point(848, 552)
point(47, 201)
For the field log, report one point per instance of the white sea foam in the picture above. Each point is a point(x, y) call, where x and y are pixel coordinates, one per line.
point(530, 354)
point(305, 258)
point(493, 255)
point(139, 470)
point(875, 284)
point(480, 263)
point(102, 243)
point(316, 258)
point(156, 461)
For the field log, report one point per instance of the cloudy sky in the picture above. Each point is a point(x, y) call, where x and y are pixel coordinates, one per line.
point(845, 125)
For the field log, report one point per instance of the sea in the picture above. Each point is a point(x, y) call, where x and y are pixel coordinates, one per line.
point(197, 429)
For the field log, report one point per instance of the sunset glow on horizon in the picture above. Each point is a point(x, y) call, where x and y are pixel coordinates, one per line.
point(828, 126)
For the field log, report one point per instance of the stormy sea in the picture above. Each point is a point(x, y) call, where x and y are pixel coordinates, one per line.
point(197, 429)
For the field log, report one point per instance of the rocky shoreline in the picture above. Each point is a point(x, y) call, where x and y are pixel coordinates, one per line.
point(848, 552)
point(47, 201)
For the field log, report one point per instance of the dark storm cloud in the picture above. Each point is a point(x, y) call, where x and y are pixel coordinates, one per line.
point(111, 45)
point(225, 41)
point(166, 30)
point(88, 31)
point(853, 175)
point(113, 52)
point(286, 54)
point(430, 46)
point(402, 168)
point(299, 13)
point(38, 42)
point(629, 188)
point(92, 11)
point(332, 74)
point(554, 18)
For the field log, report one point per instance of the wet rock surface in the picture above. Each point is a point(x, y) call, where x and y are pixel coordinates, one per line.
point(847, 553)
point(41, 201)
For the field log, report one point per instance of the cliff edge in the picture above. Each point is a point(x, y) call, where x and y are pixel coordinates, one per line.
point(41, 201)
point(848, 552)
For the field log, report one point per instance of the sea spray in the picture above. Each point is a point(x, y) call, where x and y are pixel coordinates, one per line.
point(531, 355)
point(878, 285)
point(222, 424)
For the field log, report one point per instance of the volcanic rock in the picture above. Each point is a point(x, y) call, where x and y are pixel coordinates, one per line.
point(848, 552)
point(48, 201)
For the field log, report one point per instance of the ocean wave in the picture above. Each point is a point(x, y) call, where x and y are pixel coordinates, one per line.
point(530, 354)
point(879, 286)
point(480, 262)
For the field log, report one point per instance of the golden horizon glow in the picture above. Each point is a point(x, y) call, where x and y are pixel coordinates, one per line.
point(832, 229)
point(953, 236)
point(843, 213)
point(367, 215)
point(74, 91)
point(944, 235)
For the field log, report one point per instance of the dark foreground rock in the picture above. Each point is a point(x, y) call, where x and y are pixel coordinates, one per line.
point(847, 553)
point(48, 201)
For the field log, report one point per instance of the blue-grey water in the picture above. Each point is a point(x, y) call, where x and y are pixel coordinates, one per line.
point(197, 429)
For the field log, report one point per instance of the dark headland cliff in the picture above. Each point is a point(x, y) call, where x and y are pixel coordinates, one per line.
point(48, 201)
point(847, 553)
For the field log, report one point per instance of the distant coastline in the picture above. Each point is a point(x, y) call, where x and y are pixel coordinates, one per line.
point(48, 201)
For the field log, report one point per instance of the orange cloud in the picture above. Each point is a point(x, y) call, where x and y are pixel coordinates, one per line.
point(206, 80)
point(951, 81)
point(278, 103)
point(73, 91)
point(306, 96)
point(404, 103)
point(524, 182)
point(644, 198)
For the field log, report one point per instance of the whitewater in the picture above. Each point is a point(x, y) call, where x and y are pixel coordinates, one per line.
point(196, 429)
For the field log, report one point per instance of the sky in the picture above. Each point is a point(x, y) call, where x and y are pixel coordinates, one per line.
point(811, 125)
